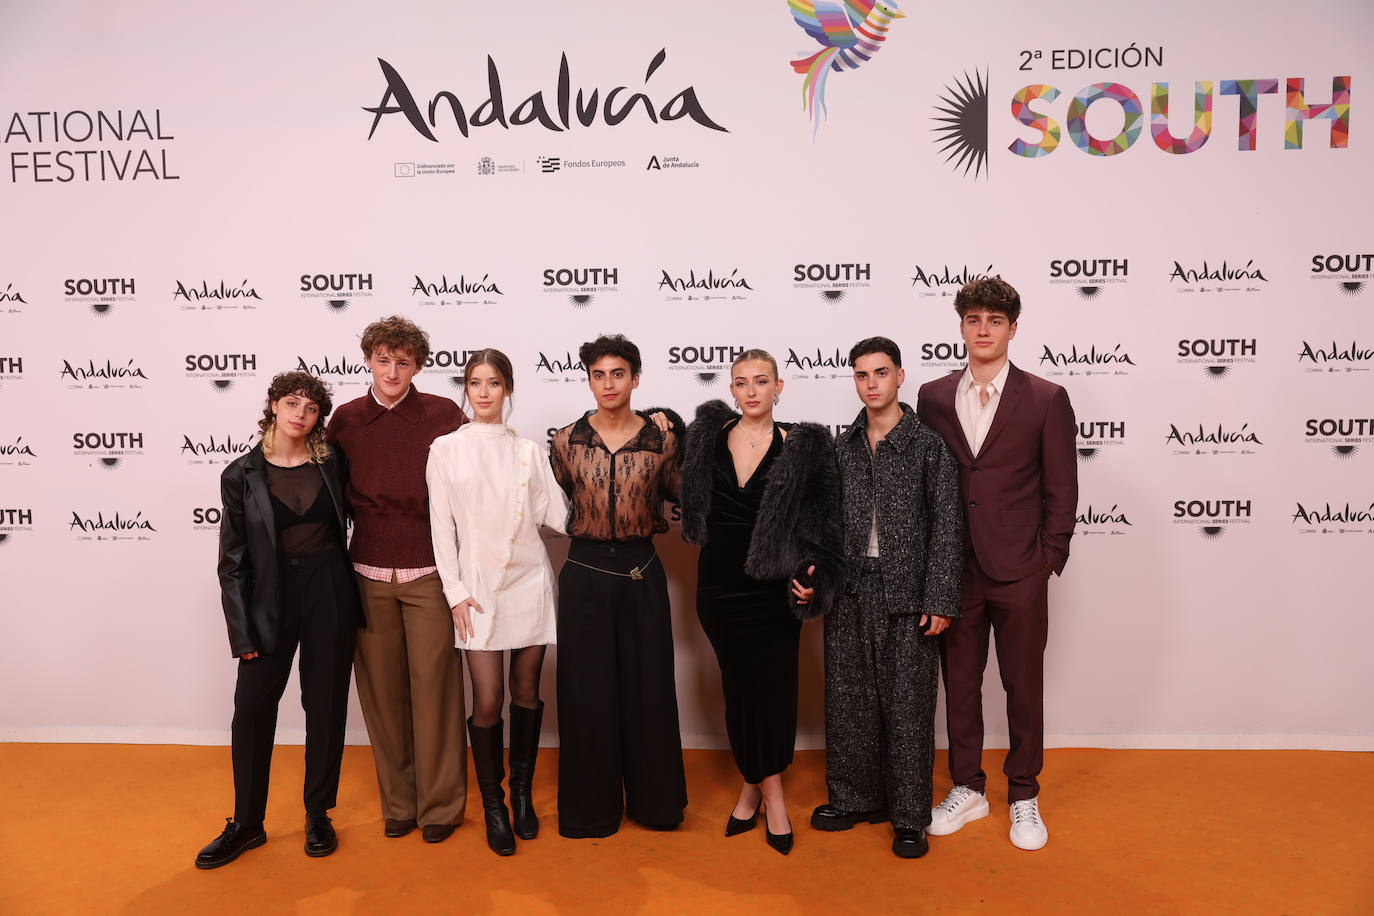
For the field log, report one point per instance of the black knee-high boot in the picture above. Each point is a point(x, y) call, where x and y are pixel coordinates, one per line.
point(486, 757)
point(524, 746)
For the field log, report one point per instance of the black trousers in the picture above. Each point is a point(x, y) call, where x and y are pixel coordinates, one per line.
point(881, 675)
point(756, 638)
point(318, 613)
point(619, 742)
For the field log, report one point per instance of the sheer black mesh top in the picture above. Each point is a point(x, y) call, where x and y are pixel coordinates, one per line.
point(617, 496)
point(301, 510)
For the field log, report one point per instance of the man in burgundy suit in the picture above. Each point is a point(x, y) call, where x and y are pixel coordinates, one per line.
point(1013, 435)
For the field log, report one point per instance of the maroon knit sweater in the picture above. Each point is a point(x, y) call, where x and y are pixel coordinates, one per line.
point(386, 451)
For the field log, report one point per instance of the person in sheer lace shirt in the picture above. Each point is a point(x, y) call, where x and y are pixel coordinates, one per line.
point(619, 743)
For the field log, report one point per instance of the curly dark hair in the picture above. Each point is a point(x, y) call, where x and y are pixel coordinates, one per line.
point(306, 385)
point(991, 293)
point(617, 345)
point(399, 335)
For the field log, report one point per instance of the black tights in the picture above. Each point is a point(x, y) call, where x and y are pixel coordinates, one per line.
point(488, 696)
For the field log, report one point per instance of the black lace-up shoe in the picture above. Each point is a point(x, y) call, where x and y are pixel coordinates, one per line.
point(320, 838)
point(828, 817)
point(233, 842)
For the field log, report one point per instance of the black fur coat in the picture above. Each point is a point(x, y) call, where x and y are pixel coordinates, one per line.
point(799, 514)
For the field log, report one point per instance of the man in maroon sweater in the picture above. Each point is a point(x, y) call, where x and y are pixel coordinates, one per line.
point(409, 675)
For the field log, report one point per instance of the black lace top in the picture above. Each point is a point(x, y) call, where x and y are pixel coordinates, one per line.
point(618, 496)
point(301, 510)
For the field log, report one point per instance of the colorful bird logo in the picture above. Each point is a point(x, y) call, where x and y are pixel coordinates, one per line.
point(850, 32)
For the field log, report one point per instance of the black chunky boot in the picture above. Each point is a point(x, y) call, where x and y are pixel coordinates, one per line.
point(486, 756)
point(524, 747)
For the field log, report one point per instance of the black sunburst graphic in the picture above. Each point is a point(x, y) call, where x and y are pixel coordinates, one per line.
point(4, 538)
point(580, 300)
point(456, 381)
point(337, 305)
point(964, 131)
point(1217, 371)
point(1211, 532)
point(1352, 287)
point(1087, 454)
point(707, 378)
point(109, 464)
point(832, 295)
point(101, 308)
point(222, 384)
point(1344, 452)
point(1088, 292)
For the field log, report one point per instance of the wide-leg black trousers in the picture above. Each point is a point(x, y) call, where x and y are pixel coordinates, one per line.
point(318, 607)
point(619, 743)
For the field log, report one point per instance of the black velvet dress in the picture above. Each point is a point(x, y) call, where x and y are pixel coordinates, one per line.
point(749, 623)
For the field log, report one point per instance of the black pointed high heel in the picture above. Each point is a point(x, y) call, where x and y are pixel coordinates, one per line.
point(782, 842)
point(735, 826)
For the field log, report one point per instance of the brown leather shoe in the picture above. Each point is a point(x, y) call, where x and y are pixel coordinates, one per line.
point(395, 828)
point(437, 833)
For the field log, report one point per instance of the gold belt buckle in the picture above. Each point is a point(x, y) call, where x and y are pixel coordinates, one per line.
point(636, 574)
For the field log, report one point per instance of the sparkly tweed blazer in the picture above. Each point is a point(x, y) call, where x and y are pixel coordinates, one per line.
point(914, 481)
point(798, 524)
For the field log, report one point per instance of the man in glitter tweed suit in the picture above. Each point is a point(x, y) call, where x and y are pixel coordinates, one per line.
point(903, 545)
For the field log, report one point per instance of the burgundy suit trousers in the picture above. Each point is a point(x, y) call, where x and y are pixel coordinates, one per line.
point(1018, 614)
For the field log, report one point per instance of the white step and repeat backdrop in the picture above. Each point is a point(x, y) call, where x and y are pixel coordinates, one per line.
point(194, 200)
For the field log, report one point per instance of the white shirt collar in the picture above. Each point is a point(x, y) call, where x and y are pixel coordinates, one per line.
point(996, 386)
point(373, 391)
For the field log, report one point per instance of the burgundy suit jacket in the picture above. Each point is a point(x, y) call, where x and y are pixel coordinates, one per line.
point(1020, 491)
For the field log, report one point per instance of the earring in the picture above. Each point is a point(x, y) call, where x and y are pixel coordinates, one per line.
point(777, 399)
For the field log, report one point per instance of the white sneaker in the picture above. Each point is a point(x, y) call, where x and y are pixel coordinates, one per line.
point(1028, 831)
point(960, 806)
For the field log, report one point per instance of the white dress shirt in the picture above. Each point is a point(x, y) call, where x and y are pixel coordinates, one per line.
point(489, 491)
point(975, 417)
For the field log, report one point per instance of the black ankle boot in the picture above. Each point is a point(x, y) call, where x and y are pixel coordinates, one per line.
point(524, 747)
point(486, 757)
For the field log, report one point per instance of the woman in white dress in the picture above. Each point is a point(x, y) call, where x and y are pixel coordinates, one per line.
point(489, 492)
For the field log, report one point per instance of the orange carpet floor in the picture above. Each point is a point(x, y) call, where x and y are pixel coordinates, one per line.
point(114, 829)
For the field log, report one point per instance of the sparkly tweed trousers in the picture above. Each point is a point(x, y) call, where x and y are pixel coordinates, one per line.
point(881, 675)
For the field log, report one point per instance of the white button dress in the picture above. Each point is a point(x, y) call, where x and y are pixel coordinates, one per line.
point(489, 492)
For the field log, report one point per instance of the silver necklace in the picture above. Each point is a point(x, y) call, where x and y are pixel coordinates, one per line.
point(755, 440)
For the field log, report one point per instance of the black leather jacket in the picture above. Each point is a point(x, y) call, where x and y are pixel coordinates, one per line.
point(248, 549)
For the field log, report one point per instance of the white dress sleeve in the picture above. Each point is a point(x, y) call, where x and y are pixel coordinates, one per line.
point(547, 500)
point(443, 527)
